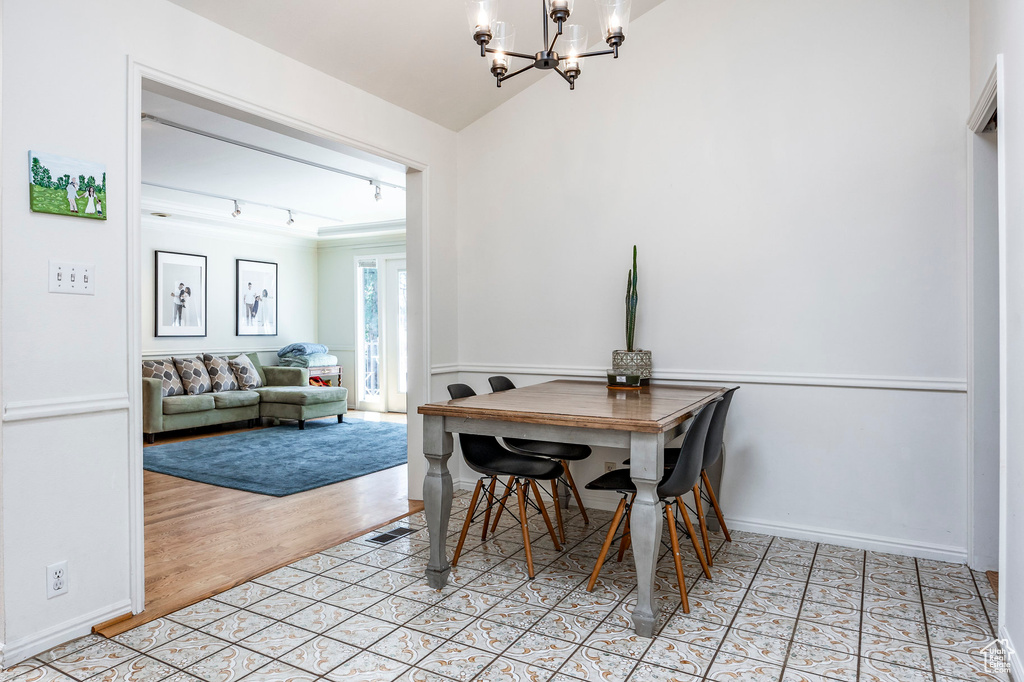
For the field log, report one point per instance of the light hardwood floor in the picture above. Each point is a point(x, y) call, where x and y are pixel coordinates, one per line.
point(202, 539)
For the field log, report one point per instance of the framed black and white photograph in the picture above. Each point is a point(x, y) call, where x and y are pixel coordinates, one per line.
point(255, 298)
point(180, 294)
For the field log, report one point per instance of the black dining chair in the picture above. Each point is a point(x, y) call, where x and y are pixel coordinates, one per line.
point(486, 456)
point(677, 482)
point(561, 452)
point(714, 446)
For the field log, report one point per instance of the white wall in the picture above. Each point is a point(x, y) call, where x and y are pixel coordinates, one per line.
point(297, 289)
point(65, 478)
point(997, 27)
point(794, 175)
point(336, 320)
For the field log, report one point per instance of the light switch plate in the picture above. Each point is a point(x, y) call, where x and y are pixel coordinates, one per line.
point(72, 278)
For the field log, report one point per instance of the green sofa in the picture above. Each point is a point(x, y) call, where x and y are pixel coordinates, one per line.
point(286, 394)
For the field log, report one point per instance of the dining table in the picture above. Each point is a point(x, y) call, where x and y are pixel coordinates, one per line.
point(641, 421)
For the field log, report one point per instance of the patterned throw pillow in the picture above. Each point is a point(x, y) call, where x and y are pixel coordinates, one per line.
point(222, 377)
point(245, 372)
point(164, 371)
point(193, 374)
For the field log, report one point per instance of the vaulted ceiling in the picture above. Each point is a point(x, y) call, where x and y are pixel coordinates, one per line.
point(417, 54)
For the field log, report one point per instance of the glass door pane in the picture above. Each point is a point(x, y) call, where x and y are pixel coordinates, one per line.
point(368, 333)
point(395, 329)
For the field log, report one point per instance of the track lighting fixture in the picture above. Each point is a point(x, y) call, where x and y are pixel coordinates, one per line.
point(376, 194)
point(291, 220)
point(237, 212)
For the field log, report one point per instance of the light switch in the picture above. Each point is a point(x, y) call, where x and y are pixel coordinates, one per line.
point(72, 278)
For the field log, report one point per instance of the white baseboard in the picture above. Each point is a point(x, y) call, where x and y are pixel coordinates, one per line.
point(878, 543)
point(16, 651)
point(1016, 662)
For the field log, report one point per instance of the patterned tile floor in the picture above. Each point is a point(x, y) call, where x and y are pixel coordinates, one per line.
point(777, 609)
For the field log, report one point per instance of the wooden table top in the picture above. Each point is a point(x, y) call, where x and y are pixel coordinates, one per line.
point(586, 404)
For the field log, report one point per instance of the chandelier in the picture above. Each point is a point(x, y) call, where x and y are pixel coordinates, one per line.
point(496, 37)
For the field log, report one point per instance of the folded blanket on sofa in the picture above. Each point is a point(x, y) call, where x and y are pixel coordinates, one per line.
point(314, 360)
point(302, 349)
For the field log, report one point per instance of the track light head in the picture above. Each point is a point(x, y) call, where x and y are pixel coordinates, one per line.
point(291, 220)
point(376, 194)
point(237, 212)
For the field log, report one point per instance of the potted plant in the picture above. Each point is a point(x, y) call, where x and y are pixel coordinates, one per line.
point(632, 361)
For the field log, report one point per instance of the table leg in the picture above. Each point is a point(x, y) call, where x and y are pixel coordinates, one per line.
point(646, 452)
point(437, 497)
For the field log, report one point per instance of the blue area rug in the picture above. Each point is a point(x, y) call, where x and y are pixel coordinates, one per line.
point(282, 460)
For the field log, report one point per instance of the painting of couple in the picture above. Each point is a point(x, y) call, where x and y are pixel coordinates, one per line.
point(64, 186)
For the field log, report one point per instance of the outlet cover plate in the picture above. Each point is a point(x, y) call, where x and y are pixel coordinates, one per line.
point(56, 579)
point(72, 278)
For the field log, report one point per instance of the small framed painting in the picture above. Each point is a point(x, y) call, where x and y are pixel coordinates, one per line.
point(255, 298)
point(66, 186)
point(180, 294)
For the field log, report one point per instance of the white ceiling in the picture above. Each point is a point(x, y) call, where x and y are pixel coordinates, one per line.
point(417, 54)
point(323, 202)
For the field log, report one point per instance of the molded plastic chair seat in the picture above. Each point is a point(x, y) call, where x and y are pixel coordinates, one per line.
point(671, 457)
point(543, 448)
point(519, 466)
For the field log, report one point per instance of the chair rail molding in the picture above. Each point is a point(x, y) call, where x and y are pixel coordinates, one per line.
point(24, 410)
point(881, 382)
point(148, 353)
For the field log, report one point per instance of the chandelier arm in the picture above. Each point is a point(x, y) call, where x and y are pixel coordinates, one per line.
point(554, 40)
point(592, 54)
point(516, 73)
point(512, 54)
point(562, 74)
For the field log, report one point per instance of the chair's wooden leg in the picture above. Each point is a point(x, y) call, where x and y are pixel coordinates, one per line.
point(341, 419)
point(626, 534)
point(490, 503)
point(544, 513)
point(558, 510)
point(469, 520)
point(675, 556)
point(501, 505)
point(575, 492)
point(526, 531)
point(150, 438)
point(696, 543)
point(703, 526)
point(714, 504)
point(302, 425)
point(607, 544)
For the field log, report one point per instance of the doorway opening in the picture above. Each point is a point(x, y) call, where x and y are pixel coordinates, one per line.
point(249, 200)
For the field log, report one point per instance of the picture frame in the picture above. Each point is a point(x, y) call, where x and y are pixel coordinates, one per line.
point(61, 185)
point(255, 298)
point(180, 287)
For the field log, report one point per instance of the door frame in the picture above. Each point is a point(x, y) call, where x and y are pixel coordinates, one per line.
point(418, 176)
point(990, 101)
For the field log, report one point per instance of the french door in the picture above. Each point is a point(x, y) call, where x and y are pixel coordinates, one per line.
point(381, 329)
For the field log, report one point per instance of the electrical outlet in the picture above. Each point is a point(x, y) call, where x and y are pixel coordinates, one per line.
point(610, 466)
point(56, 579)
point(72, 278)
